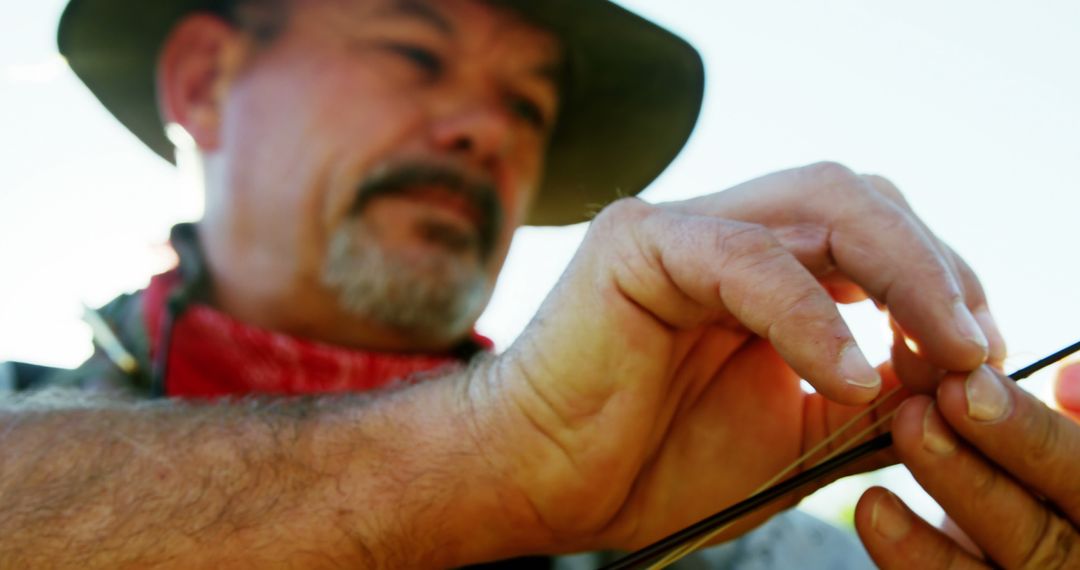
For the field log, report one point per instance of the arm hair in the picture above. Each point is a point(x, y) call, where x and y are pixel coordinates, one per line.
point(397, 479)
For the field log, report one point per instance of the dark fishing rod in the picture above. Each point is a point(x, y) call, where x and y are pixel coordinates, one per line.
point(656, 551)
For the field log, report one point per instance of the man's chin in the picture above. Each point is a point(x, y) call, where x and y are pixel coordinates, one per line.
point(419, 288)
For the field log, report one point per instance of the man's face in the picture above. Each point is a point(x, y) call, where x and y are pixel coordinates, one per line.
point(376, 158)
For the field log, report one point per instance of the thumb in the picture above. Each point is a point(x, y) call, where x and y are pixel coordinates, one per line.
point(1067, 389)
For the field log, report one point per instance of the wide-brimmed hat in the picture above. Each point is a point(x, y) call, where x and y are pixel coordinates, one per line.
point(630, 103)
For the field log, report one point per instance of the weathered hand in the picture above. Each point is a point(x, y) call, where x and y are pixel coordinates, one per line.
point(1005, 468)
point(660, 380)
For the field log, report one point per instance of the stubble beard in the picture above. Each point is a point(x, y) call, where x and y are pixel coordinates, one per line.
point(428, 297)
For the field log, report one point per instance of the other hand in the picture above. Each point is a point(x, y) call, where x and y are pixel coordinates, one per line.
point(1003, 466)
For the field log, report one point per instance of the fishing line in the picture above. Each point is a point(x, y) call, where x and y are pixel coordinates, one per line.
point(690, 548)
point(697, 545)
point(660, 551)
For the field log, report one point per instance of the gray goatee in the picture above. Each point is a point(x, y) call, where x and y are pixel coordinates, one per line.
point(430, 296)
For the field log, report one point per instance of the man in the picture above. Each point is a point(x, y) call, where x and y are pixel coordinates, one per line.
point(367, 162)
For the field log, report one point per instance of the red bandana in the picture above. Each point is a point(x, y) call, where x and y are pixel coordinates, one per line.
point(212, 355)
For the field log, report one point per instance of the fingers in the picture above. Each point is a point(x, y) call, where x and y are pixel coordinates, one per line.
point(975, 298)
point(824, 419)
point(1067, 389)
point(1036, 445)
point(896, 538)
point(974, 295)
point(1001, 516)
point(874, 240)
point(740, 268)
point(887, 250)
point(918, 374)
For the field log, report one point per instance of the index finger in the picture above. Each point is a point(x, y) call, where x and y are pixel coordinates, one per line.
point(741, 269)
point(1035, 444)
point(879, 245)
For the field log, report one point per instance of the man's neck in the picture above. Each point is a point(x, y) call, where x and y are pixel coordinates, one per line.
point(295, 311)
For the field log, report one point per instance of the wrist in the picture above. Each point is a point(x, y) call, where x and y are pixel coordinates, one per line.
point(424, 478)
point(503, 444)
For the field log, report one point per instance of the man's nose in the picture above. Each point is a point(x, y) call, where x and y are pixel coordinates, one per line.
point(477, 130)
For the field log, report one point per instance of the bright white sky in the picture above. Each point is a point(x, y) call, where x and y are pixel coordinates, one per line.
point(971, 106)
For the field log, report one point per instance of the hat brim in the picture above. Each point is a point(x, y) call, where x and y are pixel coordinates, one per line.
point(631, 101)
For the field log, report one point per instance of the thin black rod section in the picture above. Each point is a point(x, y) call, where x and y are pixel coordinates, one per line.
point(652, 553)
point(1053, 358)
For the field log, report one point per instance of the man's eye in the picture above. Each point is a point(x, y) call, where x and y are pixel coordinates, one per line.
point(529, 111)
point(423, 58)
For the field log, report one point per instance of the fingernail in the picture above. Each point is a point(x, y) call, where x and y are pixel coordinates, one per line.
point(988, 400)
point(968, 327)
point(856, 369)
point(889, 518)
point(936, 437)
point(998, 351)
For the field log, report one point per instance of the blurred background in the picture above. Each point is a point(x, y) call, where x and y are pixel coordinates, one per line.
point(972, 107)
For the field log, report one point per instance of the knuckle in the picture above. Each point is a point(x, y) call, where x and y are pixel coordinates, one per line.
point(834, 182)
point(802, 303)
point(1047, 451)
point(752, 252)
point(938, 272)
point(895, 217)
point(622, 213)
point(745, 240)
point(842, 185)
point(626, 208)
point(886, 219)
point(984, 486)
point(829, 173)
point(1046, 435)
point(886, 188)
point(801, 311)
point(1055, 545)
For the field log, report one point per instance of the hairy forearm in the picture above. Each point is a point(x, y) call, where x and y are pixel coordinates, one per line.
point(395, 480)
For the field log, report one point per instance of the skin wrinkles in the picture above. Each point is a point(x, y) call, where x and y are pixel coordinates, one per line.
point(327, 107)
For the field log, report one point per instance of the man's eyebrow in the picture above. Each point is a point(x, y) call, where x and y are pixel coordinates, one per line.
point(421, 10)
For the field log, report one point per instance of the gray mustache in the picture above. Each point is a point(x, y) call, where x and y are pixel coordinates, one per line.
point(481, 193)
